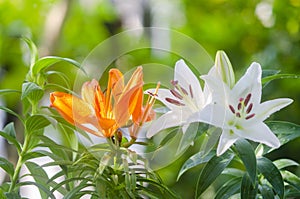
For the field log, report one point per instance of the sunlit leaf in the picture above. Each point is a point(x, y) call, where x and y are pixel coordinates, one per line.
point(211, 171)
point(247, 155)
point(282, 163)
point(32, 91)
point(292, 179)
point(195, 160)
point(248, 188)
point(36, 122)
point(272, 174)
point(279, 76)
point(33, 50)
point(45, 62)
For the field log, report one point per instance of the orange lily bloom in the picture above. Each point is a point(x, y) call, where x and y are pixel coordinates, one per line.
point(102, 113)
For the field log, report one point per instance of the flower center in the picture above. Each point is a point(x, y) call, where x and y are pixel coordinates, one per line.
point(181, 97)
point(244, 108)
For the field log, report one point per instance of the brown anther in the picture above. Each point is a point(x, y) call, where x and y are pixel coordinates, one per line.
point(247, 99)
point(241, 99)
point(174, 82)
point(238, 114)
point(249, 108)
point(232, 109)
point(183, 90)
point(176, 94)
point(239, 106)
point(191, 91)
point(250, 116)
point(175, 102)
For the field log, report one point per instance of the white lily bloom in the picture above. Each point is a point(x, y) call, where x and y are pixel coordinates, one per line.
point(182, 101)
point(238, 111)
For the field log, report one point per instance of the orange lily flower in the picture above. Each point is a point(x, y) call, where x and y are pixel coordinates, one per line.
point(102, 113)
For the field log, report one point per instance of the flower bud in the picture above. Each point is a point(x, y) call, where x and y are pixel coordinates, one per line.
point(224, 68)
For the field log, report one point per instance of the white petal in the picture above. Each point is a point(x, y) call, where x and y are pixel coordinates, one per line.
point(213, 114)
point(249, 83)
point(187, 79)
point(261, 133)
point(264, 110)
point(167, 120)
point(226, 141)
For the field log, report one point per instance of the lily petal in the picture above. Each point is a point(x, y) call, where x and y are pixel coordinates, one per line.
point(249, 83)
point(88, 91)
point(226, 140)
point(265, 109)
point(188, 81)
point(167, 120)
point(259, 132)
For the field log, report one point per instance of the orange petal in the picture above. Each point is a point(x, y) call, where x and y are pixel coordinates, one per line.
point(74, 110)
point(137, 106)
point(88, 91)
point(115, 82)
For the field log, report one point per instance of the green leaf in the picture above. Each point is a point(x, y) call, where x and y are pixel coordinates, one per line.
point(43, 190)
point(11, 112)
point(246, 153)
point(230, 188)
point(195, 160)
point(282, 163)
point(32, 91)
point(279, 76)
point(11, 140)
point(33, 50)
point(187, 139)
point(36, 122)
point(266, 191)
point(45, 62)
point(268, 72)
point(248, 189)
point(40, 177)
point(211, 171)
point(7, 91)
point(272, 174)
point(7, 166)
point(285, 131)
point(292, 179)
point(10, 129)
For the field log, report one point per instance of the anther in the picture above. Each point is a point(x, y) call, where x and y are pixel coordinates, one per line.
point(232, 109)
point(174, 82)
point(239, 106)
point(250, 116)
point(238, 114)
point(183, 90)
point(175, 102)
point(191, 91)
point(249, 108)
point(241, 99)
point(247, 99)
point(176, 94)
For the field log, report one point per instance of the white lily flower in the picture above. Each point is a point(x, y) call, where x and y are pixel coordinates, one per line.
point(238, 110)
point(183, 100)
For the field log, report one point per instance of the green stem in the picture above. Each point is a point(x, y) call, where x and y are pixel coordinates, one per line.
point(19, 165)
point(128, 144)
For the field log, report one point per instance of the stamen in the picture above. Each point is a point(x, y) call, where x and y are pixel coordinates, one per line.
point(241, 99)
point(174, 82)
point(176, 94)
point(238, 114)
point(183, 90)
point(249, 108)
point(191, 91)
point(232, 109)
point(239, 106)
point(247, 99)
point(175, 102)
point(250, 116)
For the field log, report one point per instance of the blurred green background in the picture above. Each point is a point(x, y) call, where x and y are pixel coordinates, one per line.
point(266, 31)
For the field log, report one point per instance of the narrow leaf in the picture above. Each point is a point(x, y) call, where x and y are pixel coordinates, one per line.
point(195, 160)
point(272, 174)
point(292, 179)
point(247, 155)
point(187, 139)
point(211, 171)
point(229, 188)
point(45, 62)
point(11, 140)
point(282, 163)
point(33, 50)
point(266, 191)
point(248, 189)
